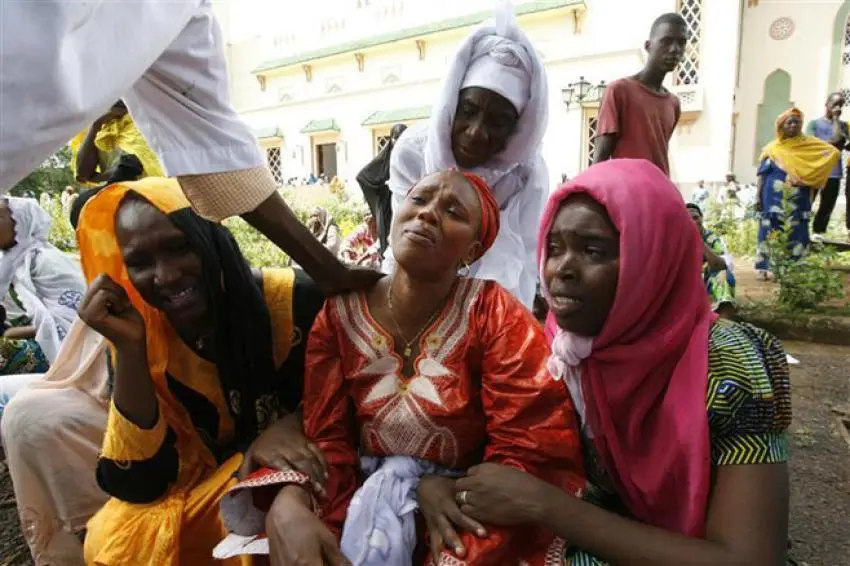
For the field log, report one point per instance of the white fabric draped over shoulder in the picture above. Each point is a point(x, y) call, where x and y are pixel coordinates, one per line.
point(518, 175)
point(48, 284)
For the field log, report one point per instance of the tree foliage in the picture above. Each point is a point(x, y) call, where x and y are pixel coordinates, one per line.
point(52, 176)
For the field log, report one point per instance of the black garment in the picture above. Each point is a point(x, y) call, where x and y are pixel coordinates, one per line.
point(828, 198)
point(373, 182)
point(129, 168)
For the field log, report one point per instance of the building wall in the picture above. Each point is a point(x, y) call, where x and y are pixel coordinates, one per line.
point(808, 55)
point(393, 76)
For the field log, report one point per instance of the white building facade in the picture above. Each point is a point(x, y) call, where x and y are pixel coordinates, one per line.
point(322, 85)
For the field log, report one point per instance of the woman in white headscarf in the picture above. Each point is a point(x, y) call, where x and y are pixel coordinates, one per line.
point(489, 119)
point(40, 288)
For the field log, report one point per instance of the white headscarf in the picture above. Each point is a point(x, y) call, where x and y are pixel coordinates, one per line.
point(497, 56)
point(52, 304)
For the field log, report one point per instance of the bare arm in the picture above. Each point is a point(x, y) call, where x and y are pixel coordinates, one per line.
point(747, 524)
point(278, 223)
point(20, 332)
point(88, 158)
point(107, 309)
point(715, 262)
point(605, 146)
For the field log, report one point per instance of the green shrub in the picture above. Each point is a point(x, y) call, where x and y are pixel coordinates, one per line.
point(260, 252)
point(805, 281)
point(61, 233)
point(256, 248)
point(740, 235)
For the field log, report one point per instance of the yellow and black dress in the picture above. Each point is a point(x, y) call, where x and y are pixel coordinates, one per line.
point(166, 481)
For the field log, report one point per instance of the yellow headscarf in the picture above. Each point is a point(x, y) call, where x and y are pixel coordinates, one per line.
point(120, 135)
point(807, 160)
point(100, 253)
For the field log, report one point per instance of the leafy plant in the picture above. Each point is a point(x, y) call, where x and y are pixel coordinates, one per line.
point(740, 234)
point(805, 277)
point(52, 176)
point(61, 233)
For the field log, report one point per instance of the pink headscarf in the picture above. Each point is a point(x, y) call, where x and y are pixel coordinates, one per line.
point(644, 378)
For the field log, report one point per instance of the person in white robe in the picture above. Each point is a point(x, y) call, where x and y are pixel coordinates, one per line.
point(489, 119)
point(43, 282)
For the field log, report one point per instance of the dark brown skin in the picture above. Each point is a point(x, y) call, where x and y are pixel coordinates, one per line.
point(792, 127)
point(747, 520)
point(834, 107)
point(665, 49)
point(484, 122)
point(583, 250)
point(7, 227)
point(435, 231)
point(88, 158)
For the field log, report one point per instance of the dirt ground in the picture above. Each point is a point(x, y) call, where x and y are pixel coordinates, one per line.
point(820, 464)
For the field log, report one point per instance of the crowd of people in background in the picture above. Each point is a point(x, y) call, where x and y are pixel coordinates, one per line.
point(183, 407)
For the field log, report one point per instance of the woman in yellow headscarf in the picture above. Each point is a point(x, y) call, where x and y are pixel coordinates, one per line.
point(207, 353)
point(792, 167)
point(97, 151)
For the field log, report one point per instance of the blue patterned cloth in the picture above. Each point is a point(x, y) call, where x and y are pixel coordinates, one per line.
point(773, 214)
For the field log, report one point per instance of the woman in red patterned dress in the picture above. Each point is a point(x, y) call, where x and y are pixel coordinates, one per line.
point(427, 374)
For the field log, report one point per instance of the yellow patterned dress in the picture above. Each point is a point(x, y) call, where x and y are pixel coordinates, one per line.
point(114, 139)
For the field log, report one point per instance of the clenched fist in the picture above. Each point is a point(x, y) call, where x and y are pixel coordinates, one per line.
point(108, 310)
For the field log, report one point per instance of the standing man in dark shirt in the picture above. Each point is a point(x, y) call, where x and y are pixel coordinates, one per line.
point(638, 115)
point(831, 129)
point(373, 182)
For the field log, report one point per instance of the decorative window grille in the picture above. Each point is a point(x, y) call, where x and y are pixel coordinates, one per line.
point(845, 61)
point(380, 143)
point(589, 143)
point(273, 158)
point(688, 71)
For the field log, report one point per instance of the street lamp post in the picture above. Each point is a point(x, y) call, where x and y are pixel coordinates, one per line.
point(582, 92)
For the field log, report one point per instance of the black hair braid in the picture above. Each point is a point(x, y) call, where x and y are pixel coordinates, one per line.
point(243, 338)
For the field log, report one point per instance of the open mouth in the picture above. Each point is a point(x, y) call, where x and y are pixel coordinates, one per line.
point(182, 299)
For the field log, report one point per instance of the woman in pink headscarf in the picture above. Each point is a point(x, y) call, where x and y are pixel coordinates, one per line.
point(683, 414)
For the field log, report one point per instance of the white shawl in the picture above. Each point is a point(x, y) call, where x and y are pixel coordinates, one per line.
point(48, 283)
point(518, 175)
